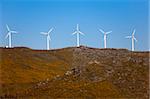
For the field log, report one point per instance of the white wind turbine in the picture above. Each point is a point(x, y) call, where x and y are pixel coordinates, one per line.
point(78, 32)
point(9, 34)
point(133, 38)
point(105, 37)
point(48, 37)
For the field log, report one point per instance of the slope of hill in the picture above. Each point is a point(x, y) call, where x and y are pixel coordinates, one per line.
point(81, 72)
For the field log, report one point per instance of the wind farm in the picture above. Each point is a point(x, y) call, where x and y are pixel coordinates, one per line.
point(74, 49)
point(77, 33)
point(67, 65)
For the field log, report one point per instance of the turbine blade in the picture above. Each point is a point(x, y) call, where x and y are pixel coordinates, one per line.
point(74, 33)
point(108, 32)
point(81, 33)
point(7, 27)
point(43, 33)
point(135, 39)
point(133, 32)
point(128, 37)
point(13, 31)
point(50, 30)
point(101, 31)
point(7, 35)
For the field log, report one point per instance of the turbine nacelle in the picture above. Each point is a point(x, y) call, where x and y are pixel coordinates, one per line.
point(9, 35)
point(78, 32)
point(133, 39)
point(48, 37)
point(132, 36)
point(105, 36)
point(9, 32)
point(105, 32)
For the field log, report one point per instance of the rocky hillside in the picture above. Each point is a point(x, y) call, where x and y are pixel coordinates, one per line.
point(81, 72)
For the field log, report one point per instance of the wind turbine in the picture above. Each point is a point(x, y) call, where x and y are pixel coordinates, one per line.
point(133, 38)
point(48, 37)
point(9, 34)
point(105, 37)
point(78, 32)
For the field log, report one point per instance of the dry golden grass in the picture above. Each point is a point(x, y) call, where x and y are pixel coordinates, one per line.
point(74, 73)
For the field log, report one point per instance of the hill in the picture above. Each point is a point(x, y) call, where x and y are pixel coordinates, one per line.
point(75, 72)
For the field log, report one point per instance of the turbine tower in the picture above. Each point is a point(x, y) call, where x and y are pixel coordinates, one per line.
point(133, 38)
point(78, 32)
point(105, 37)
point(48, 38)
point(9, 34)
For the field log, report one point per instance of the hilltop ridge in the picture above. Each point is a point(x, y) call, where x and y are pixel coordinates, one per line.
point(81, 47)
point(74, 72)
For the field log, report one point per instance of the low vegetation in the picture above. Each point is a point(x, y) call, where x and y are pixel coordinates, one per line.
point(80, 72)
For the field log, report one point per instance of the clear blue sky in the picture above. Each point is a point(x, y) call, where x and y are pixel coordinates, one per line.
point(30, 17)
